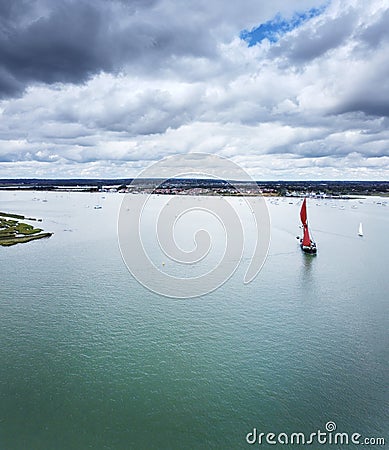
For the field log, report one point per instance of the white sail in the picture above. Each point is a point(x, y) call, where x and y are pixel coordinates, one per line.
point(360, 231)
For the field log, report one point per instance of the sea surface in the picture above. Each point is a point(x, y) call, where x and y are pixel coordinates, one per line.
point(91, 359)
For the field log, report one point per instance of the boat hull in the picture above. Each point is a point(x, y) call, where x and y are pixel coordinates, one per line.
point(311, 249)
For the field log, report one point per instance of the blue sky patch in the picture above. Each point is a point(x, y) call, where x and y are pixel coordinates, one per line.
point(275, 28)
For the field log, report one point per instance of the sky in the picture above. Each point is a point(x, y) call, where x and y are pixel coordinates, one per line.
point(289, 90)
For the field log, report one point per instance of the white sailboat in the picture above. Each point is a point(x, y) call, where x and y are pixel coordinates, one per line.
point(360, 231)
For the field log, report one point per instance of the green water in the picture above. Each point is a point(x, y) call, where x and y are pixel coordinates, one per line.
point(91, 359)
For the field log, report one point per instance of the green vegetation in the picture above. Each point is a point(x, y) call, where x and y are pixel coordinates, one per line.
point(15, 216)
point(21, 239)
point(14, 232)
point(18, 216)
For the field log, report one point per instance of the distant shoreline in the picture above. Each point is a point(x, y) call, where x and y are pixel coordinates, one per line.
point(316, 189)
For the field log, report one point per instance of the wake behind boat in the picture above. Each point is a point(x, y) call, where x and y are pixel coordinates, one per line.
point(306, 243)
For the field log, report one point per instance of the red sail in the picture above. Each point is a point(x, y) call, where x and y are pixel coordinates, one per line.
point(306, 238)
point(303, 212)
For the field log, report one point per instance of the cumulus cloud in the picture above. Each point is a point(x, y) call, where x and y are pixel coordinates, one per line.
point(70, 41)
point(104, 88)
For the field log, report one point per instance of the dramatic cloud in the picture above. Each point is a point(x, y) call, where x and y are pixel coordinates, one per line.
point(102, 88)
point(72, 40)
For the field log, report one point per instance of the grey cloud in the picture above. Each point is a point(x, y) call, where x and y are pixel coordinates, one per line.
point(13, 10)
point(370, 95)
point(314, 39)
point(368, 91)
point(8, 157)
point(28, 155)
point(327, 147)
point(9, 85)
point(377, 32)
point(371, 107)
point(147, 112)
point(63, 46)
point(70, 41)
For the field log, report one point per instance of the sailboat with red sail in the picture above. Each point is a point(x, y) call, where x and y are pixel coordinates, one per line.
point(306, 243)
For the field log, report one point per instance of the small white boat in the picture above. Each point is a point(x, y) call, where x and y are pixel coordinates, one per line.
point(360, 231)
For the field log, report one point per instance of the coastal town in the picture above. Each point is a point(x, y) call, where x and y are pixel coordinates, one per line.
point(314, 189)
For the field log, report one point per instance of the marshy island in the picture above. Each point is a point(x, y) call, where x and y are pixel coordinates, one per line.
point(13, 231)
